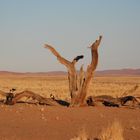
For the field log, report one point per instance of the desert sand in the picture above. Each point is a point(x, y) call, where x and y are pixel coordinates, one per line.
point(37, 122)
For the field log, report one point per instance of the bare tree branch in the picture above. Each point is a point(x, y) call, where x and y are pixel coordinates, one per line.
point(59, 57)
point(72, 75)
point(80, 98)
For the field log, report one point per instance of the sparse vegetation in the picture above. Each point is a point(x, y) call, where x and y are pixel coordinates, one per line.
point(114, 131)
point(58, 85)
point(81, 136)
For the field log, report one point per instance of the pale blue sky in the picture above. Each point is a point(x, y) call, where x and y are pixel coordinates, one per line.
point(70, 26)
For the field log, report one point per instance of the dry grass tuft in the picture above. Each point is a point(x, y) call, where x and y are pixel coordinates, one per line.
point(112, 132)
point(82, 135)
point(130, 91)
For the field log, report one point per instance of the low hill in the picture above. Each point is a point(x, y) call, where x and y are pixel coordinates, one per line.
point(121, 72)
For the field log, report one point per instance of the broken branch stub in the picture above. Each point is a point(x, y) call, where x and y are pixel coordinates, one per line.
point(78, 83)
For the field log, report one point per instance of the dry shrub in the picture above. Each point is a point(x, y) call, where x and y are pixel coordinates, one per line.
point(112, 132)
point(130, 91)
point(81, 136)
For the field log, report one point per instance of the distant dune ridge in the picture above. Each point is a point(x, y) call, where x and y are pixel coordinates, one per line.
point(119, 72)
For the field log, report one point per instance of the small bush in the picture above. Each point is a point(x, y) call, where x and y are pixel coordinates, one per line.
point(81, 136)
point(112, 132)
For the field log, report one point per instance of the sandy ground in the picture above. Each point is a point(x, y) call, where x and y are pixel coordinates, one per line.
point(32, 122)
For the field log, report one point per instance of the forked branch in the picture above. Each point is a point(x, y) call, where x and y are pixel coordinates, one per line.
point(78, 83)
point(72, 75)
point(80, 98)
point(59, 57)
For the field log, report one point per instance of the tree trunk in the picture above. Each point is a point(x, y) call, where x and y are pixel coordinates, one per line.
point(78, 83)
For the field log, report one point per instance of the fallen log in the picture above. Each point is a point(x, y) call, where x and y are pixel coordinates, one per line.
point(111, 101)
point(12, 99)
point(34, 96)
point(106, 100)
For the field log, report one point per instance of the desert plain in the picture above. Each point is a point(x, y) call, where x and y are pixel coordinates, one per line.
point(24, 121)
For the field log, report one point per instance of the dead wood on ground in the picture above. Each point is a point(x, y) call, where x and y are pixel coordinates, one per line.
point(105, 100)
point(113, 102)
point(12, 98)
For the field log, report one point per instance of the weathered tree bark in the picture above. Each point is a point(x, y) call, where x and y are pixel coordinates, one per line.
point(78, 83)
point(34, 96)
point(12, 98)
point(72, 75)
point(107, 100)
point(82, 92)
point(40, 99)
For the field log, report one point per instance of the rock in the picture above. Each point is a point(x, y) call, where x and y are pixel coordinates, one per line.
point(57, 118)
point(42, 109)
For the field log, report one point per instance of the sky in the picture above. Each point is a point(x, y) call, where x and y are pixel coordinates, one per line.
point(70, 26)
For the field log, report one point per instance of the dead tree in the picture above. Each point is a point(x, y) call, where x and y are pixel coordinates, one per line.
point(78, 82)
